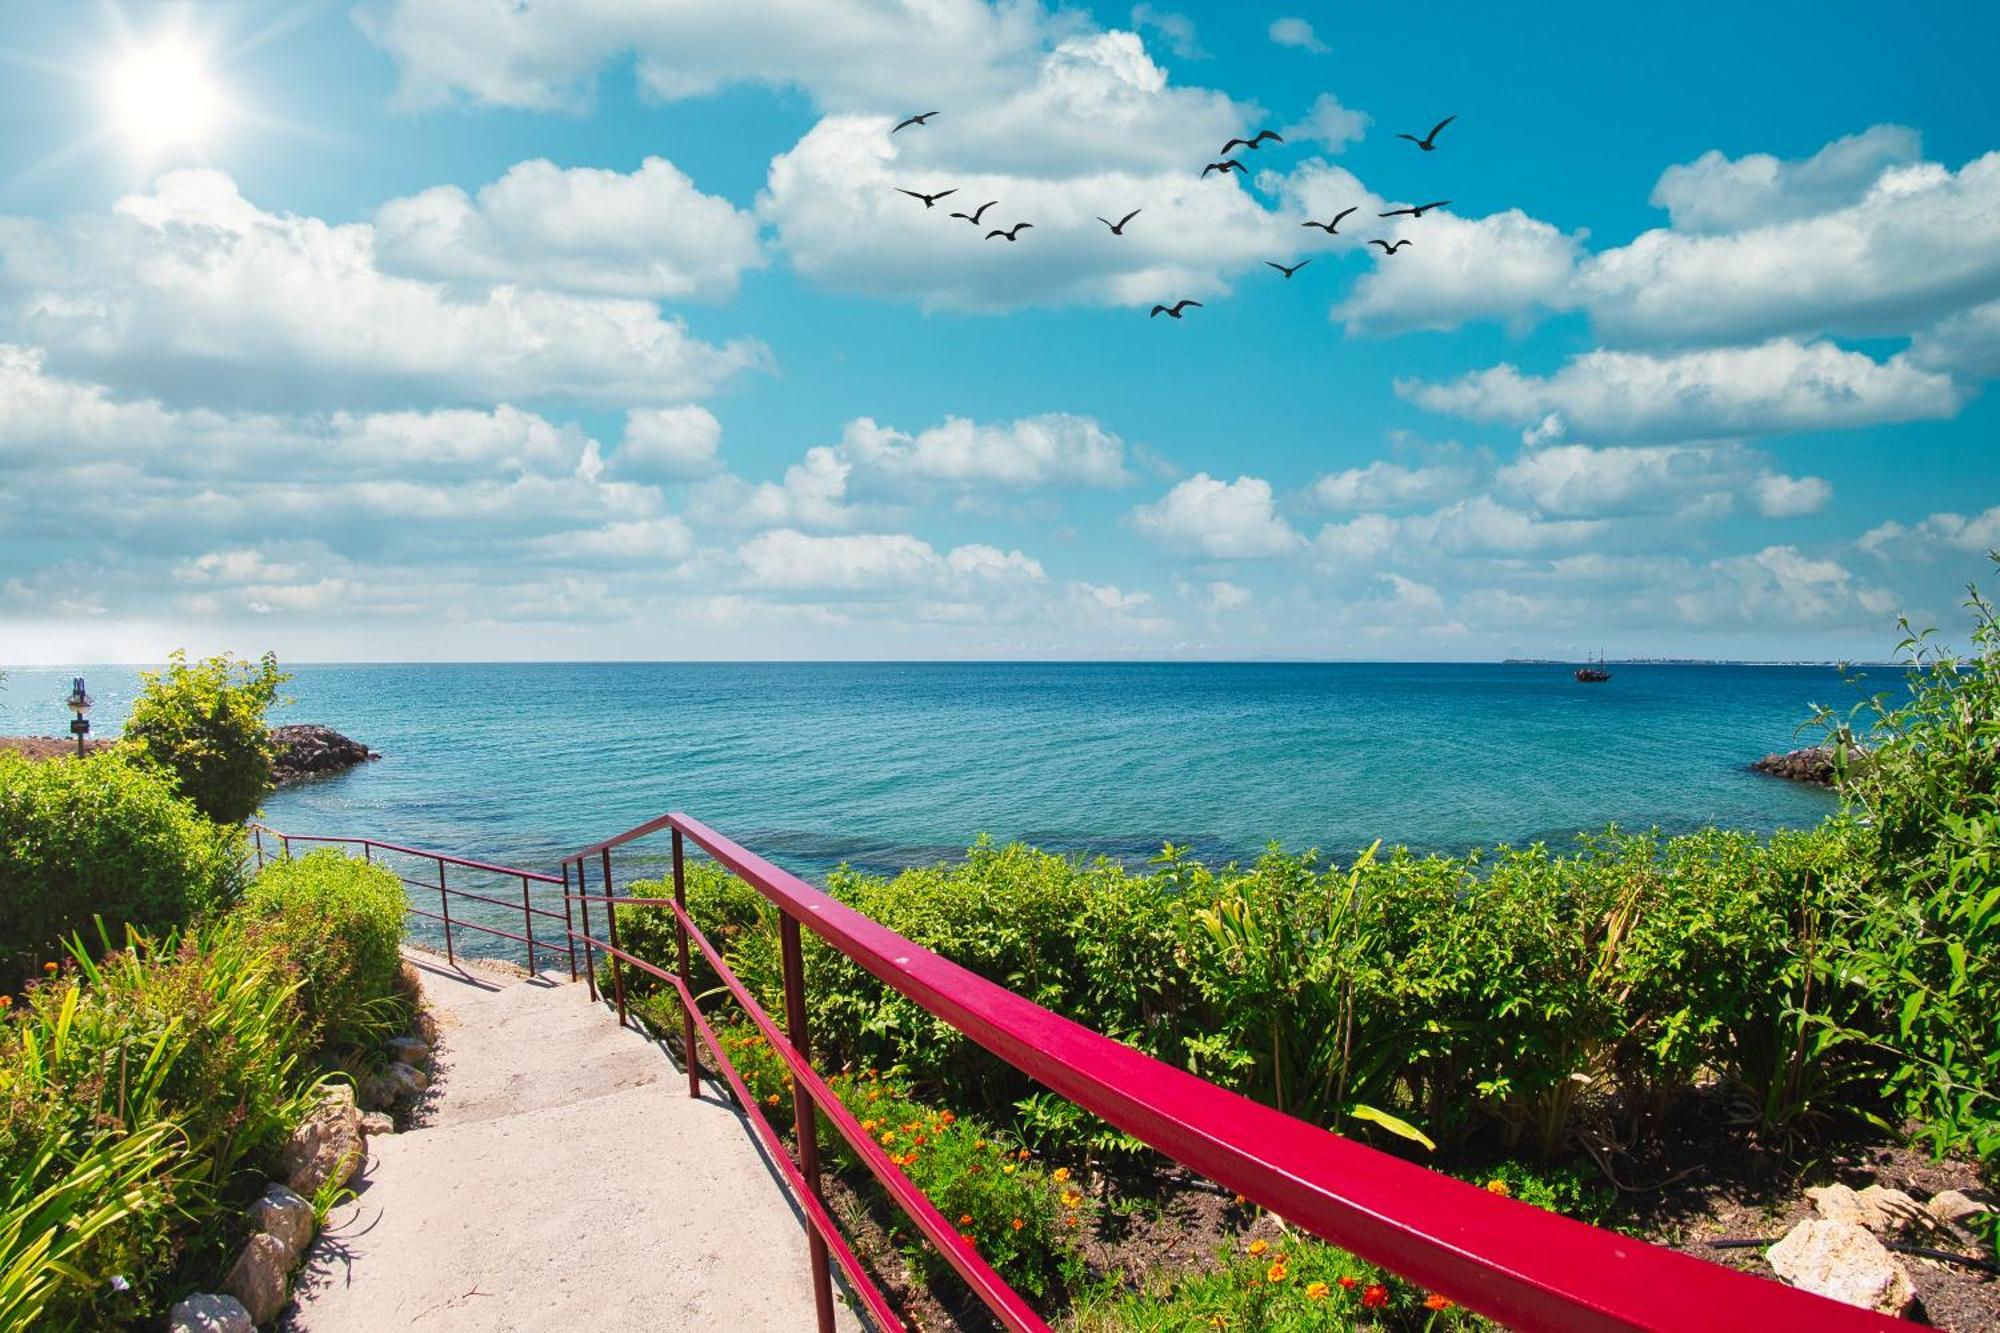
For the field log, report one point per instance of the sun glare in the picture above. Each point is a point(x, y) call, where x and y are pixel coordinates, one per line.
point(162, 97)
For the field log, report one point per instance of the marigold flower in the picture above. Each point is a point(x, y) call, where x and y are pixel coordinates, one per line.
point(969, 1238)
point(868, 1126)
point(772, 1099)
point(6, 1002)
point(1018, 1224)
point(947, 1118)
point(1259, 1245)
point(1008, 1169)
point(888, 1137)
point(1239, 1201)
point(1070, 1198)
point(919, 1140)
point(1317, 1291)
point(1023, 1154)
point(1070, 1221)
point(1277, 1272)
point(1349, 1283)
point(49, 968)
point(1437, 1302)
point(1059, 1175)
point(1375, 1295)
point(1218, 1321)
point(1499, 1187)
point(965, 1219)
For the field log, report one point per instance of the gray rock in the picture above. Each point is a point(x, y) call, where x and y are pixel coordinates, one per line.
point(409, 1051)
point(1844, 1262)
point(377, 1122)
point(1959, 1207)
point(261, 1277)
point(327, 1146)
point(210, 1314)
point(283, 1214)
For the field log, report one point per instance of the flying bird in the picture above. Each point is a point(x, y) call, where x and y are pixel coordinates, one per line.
point(1389, 249)
point(924, 119)
point(1429, 142)
point(1257, 142)
point(930, 200)
point(1013, 235)
point(1224, 167)
point(1333, 228)
point(1172, 311)
point(973, 216)
point(1416, 212)
point(1289, 271)
point(1118, 227)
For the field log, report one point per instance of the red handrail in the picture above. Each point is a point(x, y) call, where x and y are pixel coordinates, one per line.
point(1521, 1265)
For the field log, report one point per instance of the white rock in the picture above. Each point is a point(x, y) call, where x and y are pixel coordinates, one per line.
point(285, 1215)
point(327, 1146)
point(1959, 1207)
point(1844, 1262)
point(261, 1277)
point(1891, 1209)
point(377, 1122)
point(210, 1314)
point(1838, 1203)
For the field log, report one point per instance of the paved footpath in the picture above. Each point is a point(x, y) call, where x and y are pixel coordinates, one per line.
point(564, 1180)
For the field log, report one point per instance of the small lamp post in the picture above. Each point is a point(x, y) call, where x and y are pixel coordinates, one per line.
point(79, 703)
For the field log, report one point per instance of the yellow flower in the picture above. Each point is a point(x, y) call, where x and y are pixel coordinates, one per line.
point(979, 1143)
point(888, 1137)
point(1499, 1187)
point(772, 1099)
point(1007, 1169)
point(1316, 1291)
point(1059, 1175)
point(1276, 1273)
point(1070, 1198)
point(1239, 1201)
point(1259, 1245)
point(868, 1126)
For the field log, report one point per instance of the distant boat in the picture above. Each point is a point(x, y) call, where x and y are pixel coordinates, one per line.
point(1593, 674)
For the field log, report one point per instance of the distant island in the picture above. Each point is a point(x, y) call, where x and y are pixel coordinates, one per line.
point(1684, 661)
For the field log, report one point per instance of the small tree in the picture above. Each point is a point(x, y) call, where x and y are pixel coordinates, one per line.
point(204, 726)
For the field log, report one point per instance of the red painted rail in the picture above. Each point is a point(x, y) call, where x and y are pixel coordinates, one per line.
point(1520, 1265)
point(533, 948)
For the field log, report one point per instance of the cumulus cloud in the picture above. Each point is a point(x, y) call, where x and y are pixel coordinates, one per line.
point(1298, 34)
point(669, 443)
point(1505, 266)
point(650, 233)
point(1052, 449)
point(1938, 535)
point(1384, 484)
point(1717, 193)
point(192, 293)
point(1781, 585)
point(1780, 386)
point(1225, 520)
point(1329, 124)
point(1176, 30)
point(860, 562)
point(1693, 480)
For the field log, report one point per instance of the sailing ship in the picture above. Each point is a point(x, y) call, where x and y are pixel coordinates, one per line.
point(1593, 673)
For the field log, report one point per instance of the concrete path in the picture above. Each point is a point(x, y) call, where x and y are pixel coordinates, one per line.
point(563, 1180)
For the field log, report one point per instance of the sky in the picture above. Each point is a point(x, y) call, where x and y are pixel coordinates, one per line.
point(514, 329)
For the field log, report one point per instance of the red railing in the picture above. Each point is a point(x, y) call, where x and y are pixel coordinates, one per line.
point(445, 892)
point(1520, 1265)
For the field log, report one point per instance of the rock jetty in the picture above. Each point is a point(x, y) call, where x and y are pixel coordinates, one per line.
point(308, 749)
point(1813, 764)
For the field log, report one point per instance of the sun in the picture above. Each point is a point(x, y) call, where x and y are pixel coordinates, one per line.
point(162, 98)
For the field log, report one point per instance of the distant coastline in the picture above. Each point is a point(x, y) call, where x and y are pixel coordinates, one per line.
point(1691, 661)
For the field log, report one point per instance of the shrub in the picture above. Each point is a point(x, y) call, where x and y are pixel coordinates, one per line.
point(98, 837)
point(340, 921)
point(204, 725)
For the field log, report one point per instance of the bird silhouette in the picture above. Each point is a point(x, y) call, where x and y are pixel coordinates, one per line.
point(1172, 311)
point(1389, 249)
point(1289, 271)
point(1224, 167)
point(1429, 142)
point(1014, 234)
point(1415, 212)
point(1118, 227)
point(1333, 228)
point(924, 119)
point(1257, 142)
point(973, 216)
point(930, 200)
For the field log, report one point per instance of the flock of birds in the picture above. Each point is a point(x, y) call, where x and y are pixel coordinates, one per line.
point(1428, 144)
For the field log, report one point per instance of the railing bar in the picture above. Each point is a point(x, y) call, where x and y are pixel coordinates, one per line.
point(569, 925)
point(611, 920)
point(681, 949)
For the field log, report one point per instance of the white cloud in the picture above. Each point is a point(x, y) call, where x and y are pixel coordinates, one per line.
point(1052, 449)
point(1716, 193)
point(1361, 540)
point(1233, 520)
point(1780, 585)
point(650, 233)
point(1780, 386)
point(1215, 597)
point(1330, 124)
point(863, 562)
point(1298, 34)
point(668, 443)
point(1506, 266)
point(1779, 496)
point(192, 293)
point(1938, 535)
point(1176, 30)
point(1692, 480)
point(1966, 344)
point(1383, 484)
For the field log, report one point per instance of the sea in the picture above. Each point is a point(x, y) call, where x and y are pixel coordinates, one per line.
point(886, 765)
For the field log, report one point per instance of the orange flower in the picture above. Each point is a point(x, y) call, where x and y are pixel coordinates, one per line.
point(1059, 1175)
point(868, 1126)
point(1070, 1198)
point(6, 1002)
point(49, 968)
point(1437, 1302)
point(1239, 1201)
point(965, 1219)
point(772, 1099)
point(1277, 1272)
point(947, 1118)
point(919, 1140)
point(1018, 1224)
point(1023, 1154)
point(1375, 1295)
point(1070, 1221)
point(1499, 1187)
point(888, 1137)
point(969, 1238)
point(1349, 1283)
point(1316, 1291)
point(1259, 1245)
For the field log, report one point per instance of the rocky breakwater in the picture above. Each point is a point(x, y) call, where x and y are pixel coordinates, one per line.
point(307, 750)
point(1813, 764)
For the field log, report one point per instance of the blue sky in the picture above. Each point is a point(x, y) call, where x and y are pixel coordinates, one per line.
point(467, 329)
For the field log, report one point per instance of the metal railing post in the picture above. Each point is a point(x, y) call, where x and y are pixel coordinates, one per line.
point(368, 852)
point(693, 1057)
point(257, 835)
point(611, 917)
point(805, 1117)
point(286, 848)
point(528, 920)
point(589, 950)
point(444, 906)
point(569, 925)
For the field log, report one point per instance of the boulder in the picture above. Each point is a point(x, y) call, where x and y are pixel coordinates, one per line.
point(1813, 764)
point(409, 1051)
point(1844, 1262)
point(1877, 1207)
point(395, 1081)
point(261, 1277)
point(210, 1314)
point(285, 1215)
point(327, 1146)
point(306, 749)
point(377, 1122)
point(1959, 1207)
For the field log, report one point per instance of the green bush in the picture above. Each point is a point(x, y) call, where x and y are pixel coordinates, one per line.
point(204, 725)
point(340, 921)
point(99, 837)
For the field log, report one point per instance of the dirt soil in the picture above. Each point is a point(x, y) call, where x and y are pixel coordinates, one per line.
point(49, 747)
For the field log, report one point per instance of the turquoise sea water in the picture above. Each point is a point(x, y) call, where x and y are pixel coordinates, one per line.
point(885, 765)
